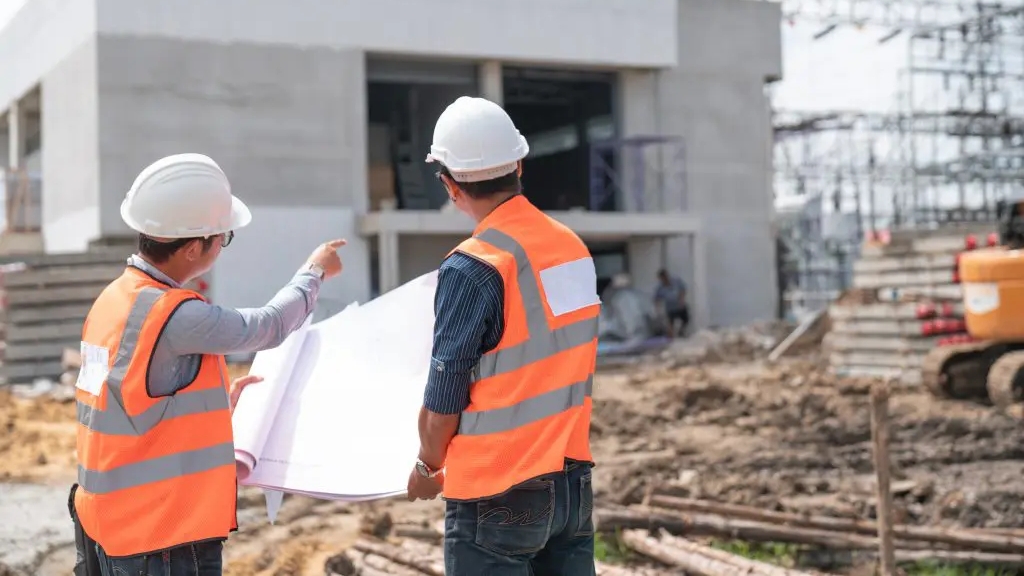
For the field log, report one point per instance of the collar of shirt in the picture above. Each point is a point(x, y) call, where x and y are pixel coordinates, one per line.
point(137, 261)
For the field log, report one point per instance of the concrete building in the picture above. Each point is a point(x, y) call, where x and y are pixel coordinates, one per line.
point(648, 122)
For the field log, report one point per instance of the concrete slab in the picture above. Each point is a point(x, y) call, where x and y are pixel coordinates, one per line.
point(902, 328)
point(86, 293)
point(877, 359)
point(14, 373)
point(893, 310)
point(902, 278)
point(62, 332)
point(58, 313)
point(905, 263)
point(947, 292)
point(889, 344)
point(49, 276)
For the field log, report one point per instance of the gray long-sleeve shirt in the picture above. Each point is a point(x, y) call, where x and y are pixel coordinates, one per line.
point(198, 328)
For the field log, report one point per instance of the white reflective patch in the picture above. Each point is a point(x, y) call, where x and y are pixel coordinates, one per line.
point(95, 368)
point(570, 286)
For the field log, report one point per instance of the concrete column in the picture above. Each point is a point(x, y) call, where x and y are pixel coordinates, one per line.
point(491, 85)
point(15, 148)
point(700, 308)
point(388, 259)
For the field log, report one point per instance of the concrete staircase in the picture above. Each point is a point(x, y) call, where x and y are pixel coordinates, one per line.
point(45, 301)
point(906, 300)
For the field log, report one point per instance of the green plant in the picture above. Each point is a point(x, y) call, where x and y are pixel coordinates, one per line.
point(610, 549)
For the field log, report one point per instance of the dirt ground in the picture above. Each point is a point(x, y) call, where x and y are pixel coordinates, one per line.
point(705, 419)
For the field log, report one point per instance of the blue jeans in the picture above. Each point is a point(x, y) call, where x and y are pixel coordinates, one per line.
point(203, 559)
point(543, 527)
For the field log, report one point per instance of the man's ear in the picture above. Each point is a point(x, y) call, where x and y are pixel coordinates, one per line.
point(519, 168)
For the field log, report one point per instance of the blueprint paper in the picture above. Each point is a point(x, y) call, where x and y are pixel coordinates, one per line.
point(345, 426)
point(254, 413)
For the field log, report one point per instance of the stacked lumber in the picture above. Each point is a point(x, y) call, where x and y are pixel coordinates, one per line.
point(906, 300)
point(701, 518)
point(43, 307)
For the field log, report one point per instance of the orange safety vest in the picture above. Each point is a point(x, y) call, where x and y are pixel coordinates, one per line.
point(154, 473)
point(530, 400)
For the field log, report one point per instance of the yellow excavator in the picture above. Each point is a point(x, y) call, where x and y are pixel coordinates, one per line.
point(993, 296)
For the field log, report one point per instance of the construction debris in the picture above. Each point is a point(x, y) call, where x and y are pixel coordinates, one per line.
point(730, 446)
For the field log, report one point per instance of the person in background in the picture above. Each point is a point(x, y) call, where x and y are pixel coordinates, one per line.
point(505, 422)
point(157, 490)
point(671, 294)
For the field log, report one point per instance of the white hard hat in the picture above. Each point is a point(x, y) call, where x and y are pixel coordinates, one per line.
point(476, 140)
point(183, 196)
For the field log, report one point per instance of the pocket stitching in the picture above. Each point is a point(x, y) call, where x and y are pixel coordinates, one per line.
point(586, 481)
point(549, 487)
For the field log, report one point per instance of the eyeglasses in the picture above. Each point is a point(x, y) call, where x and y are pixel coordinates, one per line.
point(226, 238)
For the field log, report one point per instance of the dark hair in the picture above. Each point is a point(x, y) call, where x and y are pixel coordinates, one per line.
point(160, 252)
point(479, 190)
point(663, 273)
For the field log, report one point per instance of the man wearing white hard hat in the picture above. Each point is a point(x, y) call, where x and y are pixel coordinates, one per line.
point(156, 479)
point(505, 423)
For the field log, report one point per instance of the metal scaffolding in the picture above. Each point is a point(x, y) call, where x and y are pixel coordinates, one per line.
point(952, 147)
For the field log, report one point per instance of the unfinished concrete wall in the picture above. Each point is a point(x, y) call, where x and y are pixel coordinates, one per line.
point(715, 100)
point(70, 152)
point(421, 254)
point(554, 31)
point(287, 125)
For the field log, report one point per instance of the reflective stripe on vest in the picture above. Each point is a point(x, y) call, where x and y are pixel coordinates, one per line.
point(115, 420)
point(542, 342)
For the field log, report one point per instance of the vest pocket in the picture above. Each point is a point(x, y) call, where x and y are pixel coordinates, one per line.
point(518, 522)
point(585, 512)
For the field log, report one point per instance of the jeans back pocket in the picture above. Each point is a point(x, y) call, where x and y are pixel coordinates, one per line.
point(517, 523)
point(585, 511)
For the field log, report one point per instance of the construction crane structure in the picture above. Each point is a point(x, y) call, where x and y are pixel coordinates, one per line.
point(950, 147)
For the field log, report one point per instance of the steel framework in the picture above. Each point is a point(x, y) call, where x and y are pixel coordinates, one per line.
point(952, 147)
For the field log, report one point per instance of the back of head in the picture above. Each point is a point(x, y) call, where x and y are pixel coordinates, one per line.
point(475, 141)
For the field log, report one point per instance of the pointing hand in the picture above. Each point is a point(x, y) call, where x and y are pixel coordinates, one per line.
point(326, 256)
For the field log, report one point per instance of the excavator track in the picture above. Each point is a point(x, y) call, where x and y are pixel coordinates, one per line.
point(1005, 380)
point(948, 371)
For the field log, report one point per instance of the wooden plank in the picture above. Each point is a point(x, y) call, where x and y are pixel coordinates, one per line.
point(843, 343)
point(62, 275)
